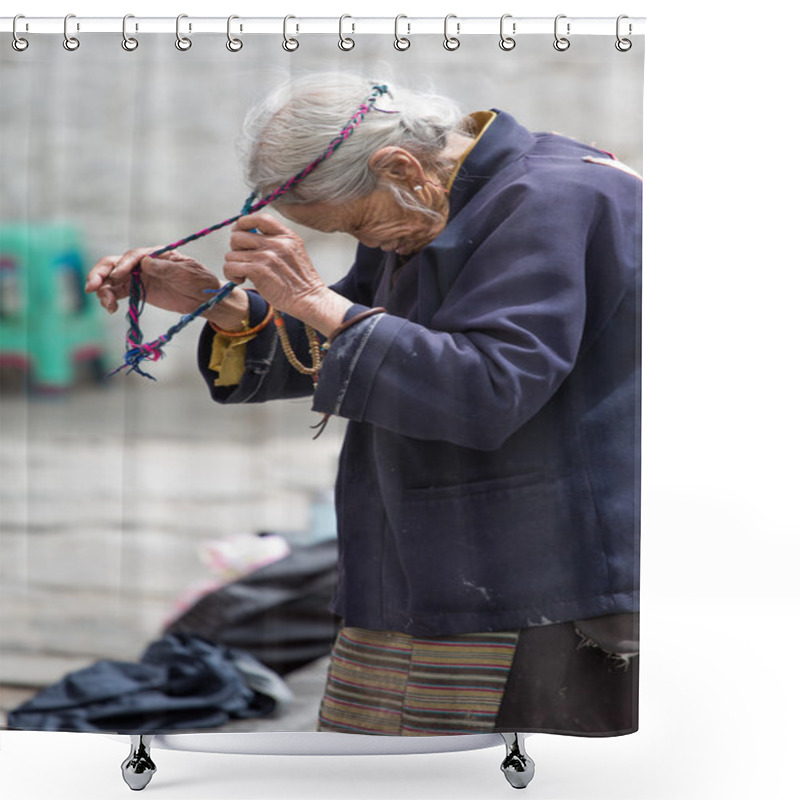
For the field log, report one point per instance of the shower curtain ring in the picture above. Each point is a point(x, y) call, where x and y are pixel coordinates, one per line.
point(346, 42)
point(401, 42)
point(233, 44)
point(451, 42)
point(70, 42)
point(182, 42)
point(18, 43)
point(129, 43)
point(507, 42)
point(623, 45)
point(289, 44)
point(561, 43)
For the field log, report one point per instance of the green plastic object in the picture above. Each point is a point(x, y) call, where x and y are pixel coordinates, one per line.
point(47, 323)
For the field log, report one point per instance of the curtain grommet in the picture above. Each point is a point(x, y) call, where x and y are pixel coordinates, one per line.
point(233, 44)
point(561, 43)
point(183, 43)
point(289, 43)
point(507, 42)
point(346, 43)
point(623, 44)
point(18, 42)
point(129, 43)
point(71, 43)
point(451, 43)
point(401, 43)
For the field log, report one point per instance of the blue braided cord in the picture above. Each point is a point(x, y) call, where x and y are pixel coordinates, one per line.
point(138, 351)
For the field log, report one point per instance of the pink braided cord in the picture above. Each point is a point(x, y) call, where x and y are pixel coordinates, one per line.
point(138, 350)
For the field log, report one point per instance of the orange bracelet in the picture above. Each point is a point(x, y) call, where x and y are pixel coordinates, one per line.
point(248, 331)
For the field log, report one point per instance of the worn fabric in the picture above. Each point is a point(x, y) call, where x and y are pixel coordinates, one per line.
point(560, 683)
point(489, 474)
point(382, 682)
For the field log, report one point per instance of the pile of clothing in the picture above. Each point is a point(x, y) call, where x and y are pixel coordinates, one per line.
point(223, 658)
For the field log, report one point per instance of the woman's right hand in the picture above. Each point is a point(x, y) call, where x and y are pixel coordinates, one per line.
point(172, 281)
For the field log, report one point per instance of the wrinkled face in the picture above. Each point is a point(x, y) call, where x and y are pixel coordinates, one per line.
point(376, 220)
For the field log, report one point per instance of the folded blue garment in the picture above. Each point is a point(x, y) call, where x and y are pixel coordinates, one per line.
point(181, 682)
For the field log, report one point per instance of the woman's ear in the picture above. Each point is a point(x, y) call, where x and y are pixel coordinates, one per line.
point(397, 165)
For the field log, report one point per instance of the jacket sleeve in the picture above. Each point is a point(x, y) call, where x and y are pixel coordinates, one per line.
point(505, 336)
point(267, 374)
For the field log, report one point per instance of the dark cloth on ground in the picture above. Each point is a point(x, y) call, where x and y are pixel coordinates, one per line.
point(278, 613)
point(181, 682)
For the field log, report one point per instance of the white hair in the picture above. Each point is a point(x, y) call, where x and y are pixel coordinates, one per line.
point(296, 122)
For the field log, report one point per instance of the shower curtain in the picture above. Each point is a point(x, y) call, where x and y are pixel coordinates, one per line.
point(172, 563)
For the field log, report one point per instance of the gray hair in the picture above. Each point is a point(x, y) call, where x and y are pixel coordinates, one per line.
point(295, 123)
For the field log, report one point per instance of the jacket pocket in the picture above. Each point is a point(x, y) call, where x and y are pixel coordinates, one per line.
point(493, 545)
point(425, 494)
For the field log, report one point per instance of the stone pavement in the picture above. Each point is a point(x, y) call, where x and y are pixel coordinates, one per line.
point(107, 493)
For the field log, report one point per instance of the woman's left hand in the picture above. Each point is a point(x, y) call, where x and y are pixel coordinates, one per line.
point(274, 259)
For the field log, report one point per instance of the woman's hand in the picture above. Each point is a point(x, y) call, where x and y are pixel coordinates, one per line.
point(274, 259)
point(172, 281)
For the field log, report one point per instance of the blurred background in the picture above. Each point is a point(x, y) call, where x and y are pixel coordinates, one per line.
point(115, 490)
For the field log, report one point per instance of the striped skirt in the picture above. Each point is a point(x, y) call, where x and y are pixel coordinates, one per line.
point(394, 684)
point(542, 679)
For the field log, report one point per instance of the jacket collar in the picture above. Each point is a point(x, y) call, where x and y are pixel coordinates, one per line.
point(501, 143)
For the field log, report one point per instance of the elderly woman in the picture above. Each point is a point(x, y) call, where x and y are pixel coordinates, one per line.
point(484, 347)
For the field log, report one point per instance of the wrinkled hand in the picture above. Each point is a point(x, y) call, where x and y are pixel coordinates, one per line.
point(172, 281)
point(274, 259)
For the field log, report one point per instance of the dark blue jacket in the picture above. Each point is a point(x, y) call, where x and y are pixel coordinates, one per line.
point(489, 477)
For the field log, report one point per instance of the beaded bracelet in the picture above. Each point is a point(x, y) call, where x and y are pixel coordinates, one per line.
point(313, 348)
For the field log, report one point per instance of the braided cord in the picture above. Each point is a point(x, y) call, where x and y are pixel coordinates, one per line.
point(137, 349)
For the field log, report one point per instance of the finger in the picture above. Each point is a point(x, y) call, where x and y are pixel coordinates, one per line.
point(245, 240)
point(108, 299)
point(254, 262)
point(130, 260)
point(237, 271)
point(244, 256)
point(248, 240)
point(111, 291)
point(99, 273)
point(265, 223)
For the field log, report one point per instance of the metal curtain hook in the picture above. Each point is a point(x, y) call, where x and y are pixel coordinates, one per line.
point(401, 42)
point(289, 44)
point(623, 45)
point(451, 42)
point(18, 43)
point(233, 44)
point(507, 42)
point(70, 42)
point(182, 42)
point(561, 43)
point(129, 43)
point(345, 42)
